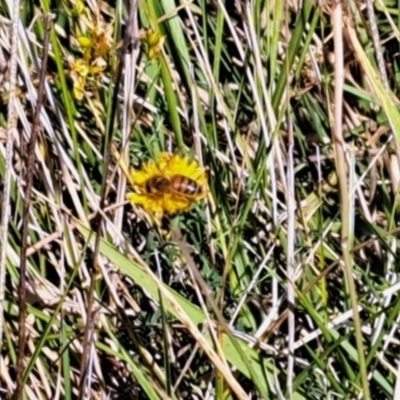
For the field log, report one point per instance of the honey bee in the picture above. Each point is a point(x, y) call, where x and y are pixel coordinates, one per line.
point(177, 184)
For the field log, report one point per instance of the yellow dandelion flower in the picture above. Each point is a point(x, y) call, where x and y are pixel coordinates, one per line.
point(168, 186)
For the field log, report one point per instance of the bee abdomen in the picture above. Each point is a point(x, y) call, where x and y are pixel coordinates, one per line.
point(185, 186)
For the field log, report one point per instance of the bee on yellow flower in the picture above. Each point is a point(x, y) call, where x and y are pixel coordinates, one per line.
point(168, 185)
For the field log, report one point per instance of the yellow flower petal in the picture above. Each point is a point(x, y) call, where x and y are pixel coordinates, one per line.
point(152, 205)
point(96, 69)
point(174, 204)
point(79, 88)
point(154, 42)
point(84, 41)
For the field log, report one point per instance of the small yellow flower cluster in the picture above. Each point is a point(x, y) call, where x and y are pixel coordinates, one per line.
point(80, 71)
point(98, 41)
point(168, 185)
point(95, 45)
point(154, 42)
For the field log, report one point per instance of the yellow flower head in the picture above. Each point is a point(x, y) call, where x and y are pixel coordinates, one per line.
point(168, 185)
point(80, 71)
point(154, 42)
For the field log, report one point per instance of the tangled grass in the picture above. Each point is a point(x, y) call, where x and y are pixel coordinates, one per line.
point(282, 283)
